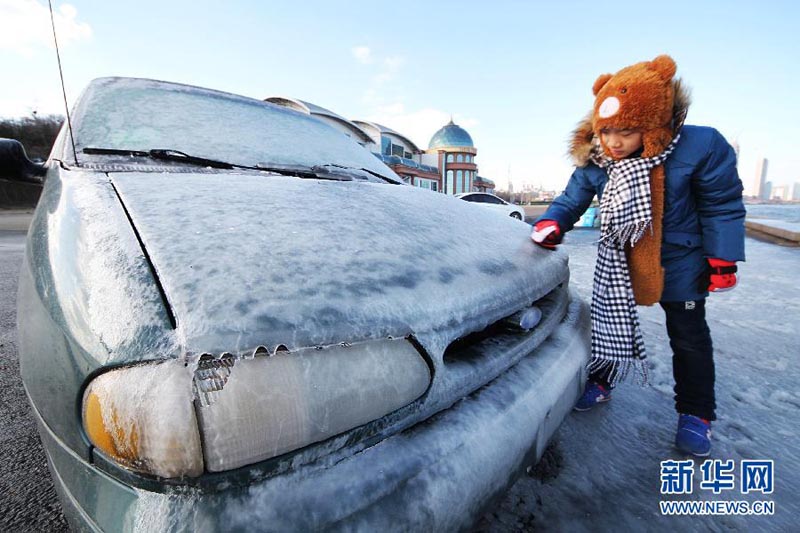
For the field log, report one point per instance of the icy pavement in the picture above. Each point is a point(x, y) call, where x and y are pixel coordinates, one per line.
point(603, 469)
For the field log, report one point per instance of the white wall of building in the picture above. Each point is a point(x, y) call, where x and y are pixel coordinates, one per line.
point(429, 159)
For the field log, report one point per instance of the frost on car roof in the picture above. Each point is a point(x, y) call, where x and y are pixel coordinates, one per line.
point(138, 114)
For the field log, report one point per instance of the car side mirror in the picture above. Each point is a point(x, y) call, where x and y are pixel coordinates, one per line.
point(15, 165)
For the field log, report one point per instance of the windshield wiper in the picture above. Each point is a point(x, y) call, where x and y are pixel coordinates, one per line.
point(315, 172)
point(161, 154)
point(352, 169)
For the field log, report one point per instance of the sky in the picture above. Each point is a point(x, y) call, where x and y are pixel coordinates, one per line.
point(516, 75)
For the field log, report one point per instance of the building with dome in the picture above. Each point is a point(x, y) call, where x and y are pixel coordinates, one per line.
point(455, 157)
point(402, 155)
point(447, 166)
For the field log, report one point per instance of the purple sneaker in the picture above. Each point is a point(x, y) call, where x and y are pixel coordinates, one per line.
point(593, 394)
point(693, 436)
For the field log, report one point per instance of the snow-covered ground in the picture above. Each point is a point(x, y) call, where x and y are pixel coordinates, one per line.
point(602, 472)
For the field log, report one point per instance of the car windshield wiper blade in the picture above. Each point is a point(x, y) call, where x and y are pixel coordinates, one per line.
point(161, 154)
point(357, 169)
point(315, 172)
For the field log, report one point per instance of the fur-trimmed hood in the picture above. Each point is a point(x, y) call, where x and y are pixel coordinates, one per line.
point(583, 137)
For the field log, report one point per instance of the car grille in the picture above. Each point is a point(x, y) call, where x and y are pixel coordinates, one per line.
point(474, 360)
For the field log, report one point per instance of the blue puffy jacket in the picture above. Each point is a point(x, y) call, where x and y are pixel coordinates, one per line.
point(703, 209)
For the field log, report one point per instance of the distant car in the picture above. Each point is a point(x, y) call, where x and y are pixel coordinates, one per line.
point(493, 202)
point(233, 317)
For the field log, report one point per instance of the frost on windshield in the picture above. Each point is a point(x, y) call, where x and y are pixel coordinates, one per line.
point(270, 260)
point(135, 114)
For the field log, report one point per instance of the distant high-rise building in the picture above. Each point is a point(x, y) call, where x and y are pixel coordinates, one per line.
point(796, 191)
point(766, 192)
point(735, 145)
point(760, 180)
point(779, 192)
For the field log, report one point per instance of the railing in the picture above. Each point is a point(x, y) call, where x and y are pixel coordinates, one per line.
point(397, 160)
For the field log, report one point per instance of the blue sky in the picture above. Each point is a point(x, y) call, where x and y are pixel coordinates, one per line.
point(516, 75)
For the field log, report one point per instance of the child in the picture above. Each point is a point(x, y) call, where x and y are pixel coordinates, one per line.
point(672, 230)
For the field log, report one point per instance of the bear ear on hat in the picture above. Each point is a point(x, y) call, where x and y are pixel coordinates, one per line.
point(600, 82)
point(665, 67)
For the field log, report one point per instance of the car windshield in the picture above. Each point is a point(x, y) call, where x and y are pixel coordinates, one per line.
point(127, 114)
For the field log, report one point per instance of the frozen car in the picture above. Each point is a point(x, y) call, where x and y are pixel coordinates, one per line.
point(201, 354)
point(493, 202)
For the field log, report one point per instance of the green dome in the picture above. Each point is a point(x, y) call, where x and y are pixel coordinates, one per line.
point(450, 135)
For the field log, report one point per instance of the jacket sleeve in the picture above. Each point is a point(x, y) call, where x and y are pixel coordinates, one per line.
point(718, 193)
point(568, 207)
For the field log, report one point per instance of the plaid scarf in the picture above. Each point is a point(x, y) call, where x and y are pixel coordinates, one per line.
point(626, 213)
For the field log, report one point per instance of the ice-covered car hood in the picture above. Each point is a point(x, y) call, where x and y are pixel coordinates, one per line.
point(251, 260)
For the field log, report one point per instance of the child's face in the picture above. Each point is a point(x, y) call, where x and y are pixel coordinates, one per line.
point(621, 143)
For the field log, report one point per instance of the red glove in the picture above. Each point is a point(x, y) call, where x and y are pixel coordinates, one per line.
point(722, 275)
point(546, 233)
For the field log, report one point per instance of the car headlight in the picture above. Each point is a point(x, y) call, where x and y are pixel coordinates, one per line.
point(142, 417)
point(154, 417)
point(272, 405)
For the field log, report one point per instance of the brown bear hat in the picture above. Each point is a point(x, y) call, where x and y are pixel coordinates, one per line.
point(644, 97)
point(657, 111)
point(639, 97)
